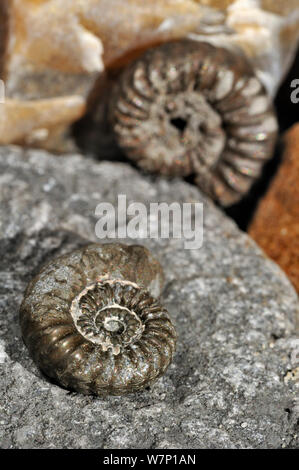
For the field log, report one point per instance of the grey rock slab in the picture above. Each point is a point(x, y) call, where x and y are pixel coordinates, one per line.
point(232, 382)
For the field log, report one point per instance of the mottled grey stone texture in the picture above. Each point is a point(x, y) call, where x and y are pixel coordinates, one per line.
point(232, 382)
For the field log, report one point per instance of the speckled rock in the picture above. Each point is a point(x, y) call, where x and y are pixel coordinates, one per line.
point(232, 383)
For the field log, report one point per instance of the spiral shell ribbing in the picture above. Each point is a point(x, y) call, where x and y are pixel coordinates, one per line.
point(89, 326)
point(188, 107)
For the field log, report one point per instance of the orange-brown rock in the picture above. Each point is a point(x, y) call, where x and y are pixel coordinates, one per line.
point(56, 51)
point(276, 223)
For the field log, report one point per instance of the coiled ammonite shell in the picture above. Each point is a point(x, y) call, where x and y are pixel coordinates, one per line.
point(188, 107)
point(91, 323)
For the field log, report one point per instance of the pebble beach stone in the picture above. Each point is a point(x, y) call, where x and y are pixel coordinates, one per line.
point(232, 383)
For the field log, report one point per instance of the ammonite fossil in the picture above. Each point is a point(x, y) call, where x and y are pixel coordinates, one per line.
point(91, 321)
point(188, 107)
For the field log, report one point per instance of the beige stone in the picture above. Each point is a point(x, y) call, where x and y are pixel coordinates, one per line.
point(40, 123)
point(276, 223)
point(53, 53)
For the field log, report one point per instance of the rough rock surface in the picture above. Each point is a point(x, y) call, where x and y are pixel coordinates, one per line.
point(232, 382)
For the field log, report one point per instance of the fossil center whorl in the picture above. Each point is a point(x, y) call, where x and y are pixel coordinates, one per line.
point(101, 314)
point(182, 124)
